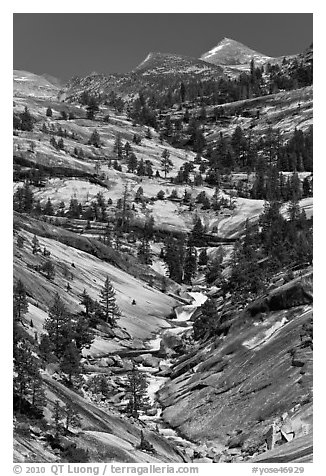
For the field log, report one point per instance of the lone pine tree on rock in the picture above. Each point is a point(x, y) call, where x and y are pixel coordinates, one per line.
point(108, 303)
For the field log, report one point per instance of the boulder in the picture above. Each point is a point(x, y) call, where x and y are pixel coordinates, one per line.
point(189, 452)
point(215, 450)
point(109, 361)
point(36, 431)
point(171, 344)
point(200, 451)
point(151, 411)
point(127, 365)
point(148, 360)
point(102, 362)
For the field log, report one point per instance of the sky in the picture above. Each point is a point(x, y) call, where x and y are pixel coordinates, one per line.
point(68, 44)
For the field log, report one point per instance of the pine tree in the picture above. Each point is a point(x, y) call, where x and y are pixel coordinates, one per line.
point(38, 399)
point(127, 149)
point(27, 378)
point(20, 241)
point(49, 269)
point(117, 148)
point(141, 170)
point(166, 162)
point(203, 258)
point(108, 303)
point(83, 334)
point(207, 323)
point(132, 162)
point(48, 209)
point(27, 122)
point(53, 142)
point(139, 194)
point(20, 305)
point(58, 326)
point(144, 252)
point(196, 237)
point(35, 245)
point(190, 265)
point(92, 108)
point(71, 416)
point(57, 417)
point(70, 361)
point(136, 390)
point(60, 144)
point(87, 302)
point(63, 115)
point(95, 139)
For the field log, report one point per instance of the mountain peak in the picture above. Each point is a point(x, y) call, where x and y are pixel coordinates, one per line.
point(232, 52)
point(171, 63)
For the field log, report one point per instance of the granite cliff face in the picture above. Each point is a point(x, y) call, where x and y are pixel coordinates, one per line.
point(231, 389)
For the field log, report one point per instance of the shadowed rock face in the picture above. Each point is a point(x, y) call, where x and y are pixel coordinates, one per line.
point(243, 382)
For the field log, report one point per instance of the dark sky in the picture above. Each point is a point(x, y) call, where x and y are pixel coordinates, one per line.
point(64, 44)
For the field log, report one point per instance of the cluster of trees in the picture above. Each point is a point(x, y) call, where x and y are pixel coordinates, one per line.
point(64, 115)
point(278, 243)
point(180, 254)
point(273, 244)
point(270, 184)
point(23, 121)
point(28, 386)
point(243, 152)
point(67, 335)
point(258, 81)
point(28, 389)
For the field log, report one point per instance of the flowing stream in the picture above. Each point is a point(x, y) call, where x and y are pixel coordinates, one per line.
point(155, 382)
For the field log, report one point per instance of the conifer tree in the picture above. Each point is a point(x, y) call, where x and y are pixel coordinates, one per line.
point(117, 148)
point(95, 139)
point(57, 417)
point(166, 162)
point(207, 323)
point(60, 144)
point(136, 390)
point(35, 245)
point(108, 303)
point(144, 252)
point(70, 361)
point(196, 237)
point(49, 269)
point(92, 108)
point(58, 326)
point(190, 265)
point(127, 149)
point(48, 209)
point(87, 302)
point(20, 241)
point(82, 332)
point(141, 170)
point(132, 162)
point(20, 305)
point(27, 122)
point(202, 258)
point(71, 416)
